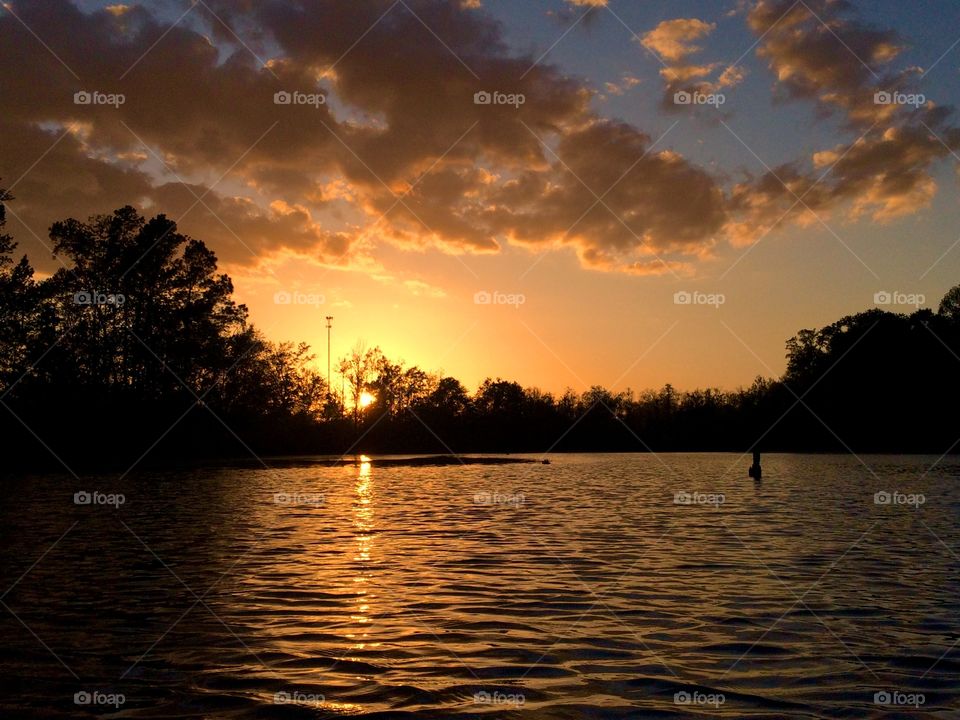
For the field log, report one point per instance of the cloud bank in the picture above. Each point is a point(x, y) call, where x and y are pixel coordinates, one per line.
point(264, 132)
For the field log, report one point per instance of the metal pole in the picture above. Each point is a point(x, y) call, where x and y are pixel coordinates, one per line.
point(329, 325)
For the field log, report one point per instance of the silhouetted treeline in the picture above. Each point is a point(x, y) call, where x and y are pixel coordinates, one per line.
point(135, 347)
point(134, 352)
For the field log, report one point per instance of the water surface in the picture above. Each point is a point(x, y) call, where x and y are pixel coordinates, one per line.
point(579, 589)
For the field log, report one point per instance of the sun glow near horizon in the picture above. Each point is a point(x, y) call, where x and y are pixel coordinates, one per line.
point(501, 262)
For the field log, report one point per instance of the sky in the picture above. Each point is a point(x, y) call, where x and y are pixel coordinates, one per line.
point(565, 193)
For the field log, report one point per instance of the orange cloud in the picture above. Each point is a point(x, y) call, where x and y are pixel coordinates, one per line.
point(816, 50)
point(386, 151)
point(673, 41)
point(884, 174)
point(417, 153)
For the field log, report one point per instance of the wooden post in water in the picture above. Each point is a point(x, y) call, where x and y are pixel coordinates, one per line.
point(755, 471)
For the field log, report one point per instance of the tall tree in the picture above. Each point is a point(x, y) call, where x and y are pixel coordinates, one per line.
point(145, 303)
point(18, 306)
point(359, 368)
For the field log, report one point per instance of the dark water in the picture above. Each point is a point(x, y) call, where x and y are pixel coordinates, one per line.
point(579, 589)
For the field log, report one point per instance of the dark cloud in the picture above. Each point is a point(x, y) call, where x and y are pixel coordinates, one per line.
point(399, 116)
point(819, 51)
point(613, 195)
point(394, 147)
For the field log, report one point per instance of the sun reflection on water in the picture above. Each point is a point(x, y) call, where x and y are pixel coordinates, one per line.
point(364, 522)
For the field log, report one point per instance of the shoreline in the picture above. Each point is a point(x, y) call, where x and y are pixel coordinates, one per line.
point(413, 459)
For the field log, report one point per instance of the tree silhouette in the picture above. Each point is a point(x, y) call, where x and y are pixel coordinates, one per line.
point(18, 306)
point(358, 368)
point(950, 305)
point(136, 348)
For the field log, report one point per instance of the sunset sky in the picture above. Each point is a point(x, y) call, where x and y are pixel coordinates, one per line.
point(789, 189)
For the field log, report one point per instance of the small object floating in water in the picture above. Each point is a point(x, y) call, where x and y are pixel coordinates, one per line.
point(755, 471)
point(544, 462)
